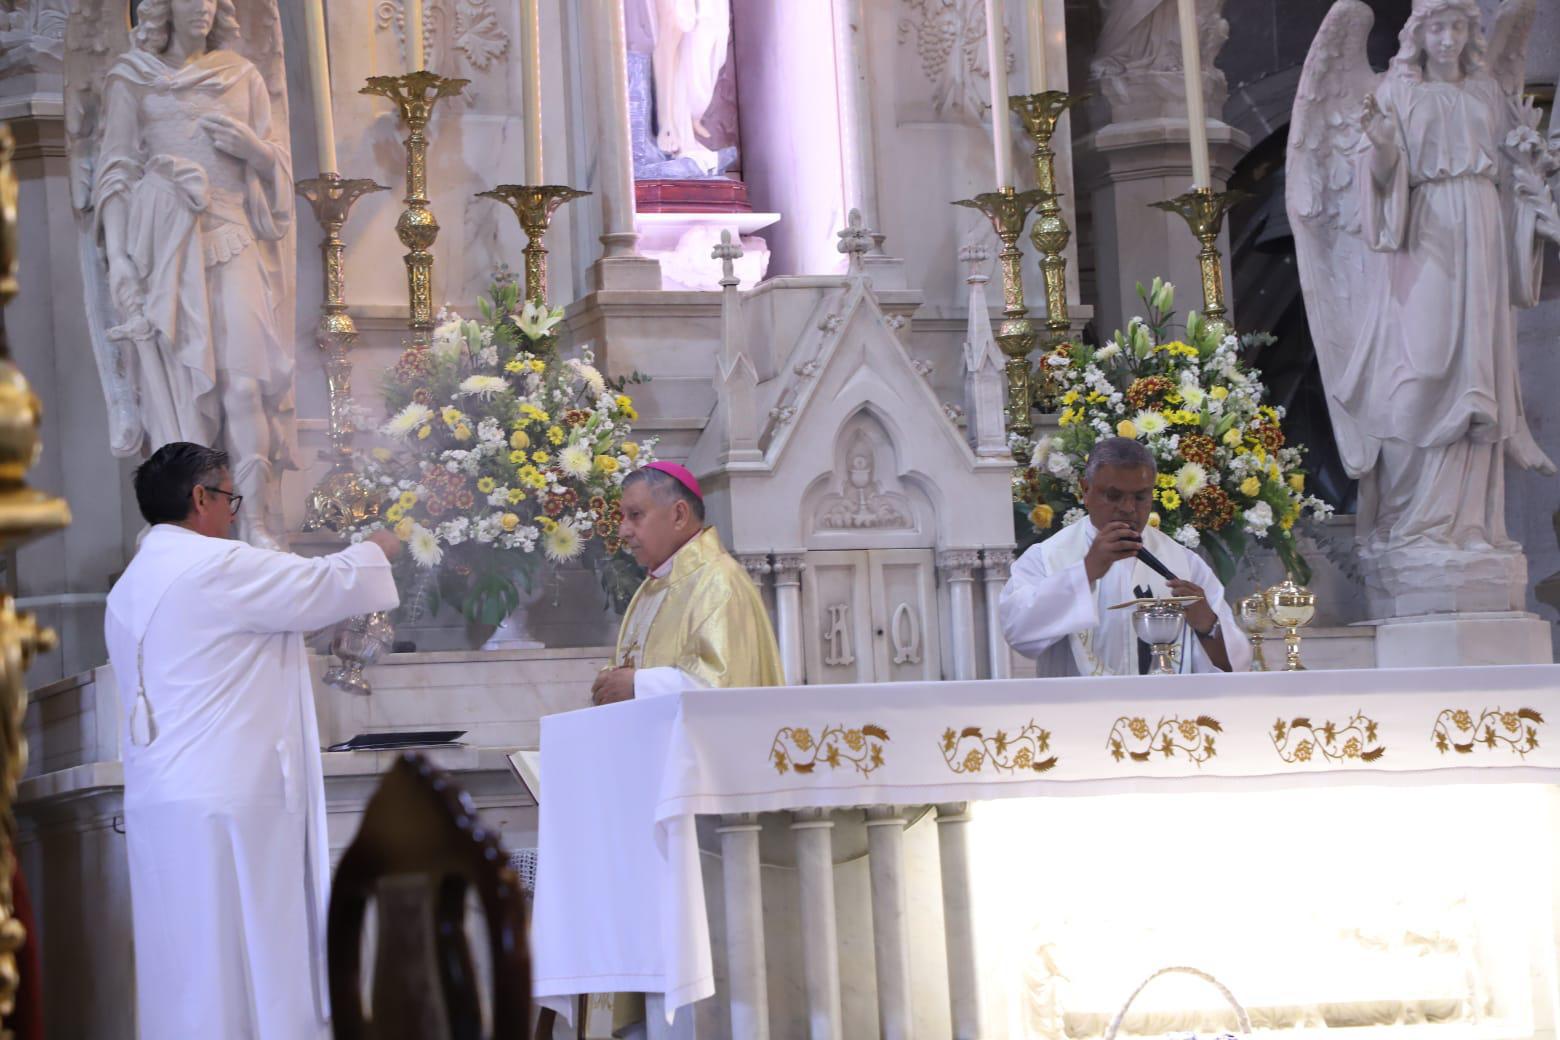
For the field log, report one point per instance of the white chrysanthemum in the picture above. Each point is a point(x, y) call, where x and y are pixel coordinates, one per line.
point(592, 377)
point(1187, 535)
point(562, 543)
point(408, 420)
point(1149, 422)
point(482, 386)
point(1259, 518)
point(576, 461)
point(1190, 479)
point(424, 547)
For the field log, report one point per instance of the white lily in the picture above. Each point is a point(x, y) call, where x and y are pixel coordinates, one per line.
point(537, 321)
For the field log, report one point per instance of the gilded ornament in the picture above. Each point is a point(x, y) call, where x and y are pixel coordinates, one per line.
point(969, 750)
point(1204, 210)
point(795, 749)
point(534, 205)
point(1133, 738)
point(1302, 740)
point(1050, 234)
point(1457, 730)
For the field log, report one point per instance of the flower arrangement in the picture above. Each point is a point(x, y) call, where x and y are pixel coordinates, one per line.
point(1226, 476)
point(501, 452)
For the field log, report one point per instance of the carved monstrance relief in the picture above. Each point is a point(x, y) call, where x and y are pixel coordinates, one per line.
point(862, 501)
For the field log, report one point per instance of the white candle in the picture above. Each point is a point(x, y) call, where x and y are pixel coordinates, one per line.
point(996, 57)
point(531, 88)
point(319, 81)
point(1034, 36)
point(414, 34)
point(1196, 120)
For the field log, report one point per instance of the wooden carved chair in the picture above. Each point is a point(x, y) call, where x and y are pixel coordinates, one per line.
point(419, 851)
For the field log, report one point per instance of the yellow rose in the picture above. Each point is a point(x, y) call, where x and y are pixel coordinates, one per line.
point(1153, 519)
point(606, 463)
point(1232, 436)
point(1250, 486)
point(462, 432)
point(509, 521)
point(407, 500)
point(1042, 516)
point(631, 449)
point(403, 530)
point(381, 454)
point(1125, 429)
point(486, 485)
point(394, 513)
point(1297, 481)
point(1220, 392)
point(519, 440)
point(423, 433)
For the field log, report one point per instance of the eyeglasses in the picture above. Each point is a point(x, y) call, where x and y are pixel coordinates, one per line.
point(234, 501)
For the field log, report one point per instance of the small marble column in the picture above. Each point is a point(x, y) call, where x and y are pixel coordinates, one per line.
point(959, 920)
point(747, 981)
point(788, 613)
point(855, 104)
point(620, 266)
point(758, 571)
point(890, 920)
point(956, 566)
point(814, 836)
point(996, 564)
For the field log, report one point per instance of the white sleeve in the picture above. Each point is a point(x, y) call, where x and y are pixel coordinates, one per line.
point(1038, 608)
point(1235, 644)
point(280, 592)
point(658, 682)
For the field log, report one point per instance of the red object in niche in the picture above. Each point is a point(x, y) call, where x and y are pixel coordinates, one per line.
point(706, 195)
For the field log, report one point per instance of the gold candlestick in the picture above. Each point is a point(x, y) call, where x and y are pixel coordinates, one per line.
point(25, 514)
point(1050, 232)
point(534, 206)
point(342, 499)
point(1008, 210)
point(1203, 209)
point(415, 95)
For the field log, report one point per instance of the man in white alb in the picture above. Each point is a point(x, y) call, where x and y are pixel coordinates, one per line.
point(224, 799)
point(1055, 607)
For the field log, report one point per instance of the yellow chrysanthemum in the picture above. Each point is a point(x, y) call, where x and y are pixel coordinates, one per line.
point(546, 523)
point(556, 435)
point(451, 416)
point(540, 457)
point(509, 521)
point(606, 463)
point(486, 485)
point(1070, 397)
point(1041, 517)
point(1250, 486)
point(1170, 499)
point(514, 366)
point(407, 500)
point(517, 457)
point(394, 513)
point(423, 433)
point(1164, 480)
point(538, 366)
point(516, 496)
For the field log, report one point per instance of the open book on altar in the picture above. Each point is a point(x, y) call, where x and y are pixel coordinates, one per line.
point(527, 764)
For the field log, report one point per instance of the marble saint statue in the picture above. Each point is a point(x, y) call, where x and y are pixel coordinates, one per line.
point(1137, 62)
point(677, 50)
point(187, 229)
point(1419, 199)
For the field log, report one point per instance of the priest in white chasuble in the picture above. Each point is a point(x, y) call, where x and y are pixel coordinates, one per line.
point(1055, 607)
point(697, 621)
point(224, 797)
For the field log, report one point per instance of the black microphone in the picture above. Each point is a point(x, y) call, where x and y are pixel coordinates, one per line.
point(1154, 565)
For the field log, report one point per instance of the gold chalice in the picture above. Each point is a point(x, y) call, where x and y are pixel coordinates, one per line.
point(1291, 607)
point(1252, 614)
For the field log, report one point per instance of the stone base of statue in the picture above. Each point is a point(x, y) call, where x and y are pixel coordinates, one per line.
point(1450, 640)
point(1432, 580)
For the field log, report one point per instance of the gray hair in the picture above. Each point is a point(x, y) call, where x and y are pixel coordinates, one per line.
point(666, 488)
point(1118, 451)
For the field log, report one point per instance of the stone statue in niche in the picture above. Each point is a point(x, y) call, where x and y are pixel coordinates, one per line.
point(681, 88)
point(32, 36)
point(186, 207)
point(1419, 199)
point(1138, 61)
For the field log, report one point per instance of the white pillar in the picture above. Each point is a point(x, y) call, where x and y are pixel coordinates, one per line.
point(959, 920)
point(620, 266)
point(747, 982)
point(995, 566)
point(814, 838)
point(656, 1026)
point(857, 144)
point(957, 569)
point(788, 613)
point(890, 920)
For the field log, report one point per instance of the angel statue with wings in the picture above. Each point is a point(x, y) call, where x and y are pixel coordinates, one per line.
point(1419, 199)
point(187, 212)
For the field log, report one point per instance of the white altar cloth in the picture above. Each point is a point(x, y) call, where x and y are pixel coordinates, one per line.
point(620, 897)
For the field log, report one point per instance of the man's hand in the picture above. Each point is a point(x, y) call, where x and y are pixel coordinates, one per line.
point(1199, 615)
point(1116, 541)
point(613, 685)
point(387, 542)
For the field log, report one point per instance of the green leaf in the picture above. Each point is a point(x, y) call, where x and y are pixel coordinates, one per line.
point(492, 599)
point(1219, 554)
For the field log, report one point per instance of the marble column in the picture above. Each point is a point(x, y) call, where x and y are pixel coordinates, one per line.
point(953, 847)
point(620, 266)
point(814, 837)
point(747, 980)
point(758, 571)
point(858, 137)
point(956, 568)
point(995, 567)
point(788, 613)
point(890, 920)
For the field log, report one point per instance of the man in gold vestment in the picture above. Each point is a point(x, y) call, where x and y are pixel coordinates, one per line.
point(697, 621)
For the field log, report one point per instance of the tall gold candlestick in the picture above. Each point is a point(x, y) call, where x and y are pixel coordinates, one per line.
point(1050, 232)
point(534, 206)
point(1203, 209)
point(415, 95)
point(341, 499)
point(1008, 210)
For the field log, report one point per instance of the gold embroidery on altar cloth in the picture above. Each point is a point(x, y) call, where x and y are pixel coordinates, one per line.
point(1301, 740)
point(969, 750)
point(1133, 738)
point(794, 748)
point(1456, 730)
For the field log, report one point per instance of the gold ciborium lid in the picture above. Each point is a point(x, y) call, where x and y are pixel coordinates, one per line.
point(1289, 605)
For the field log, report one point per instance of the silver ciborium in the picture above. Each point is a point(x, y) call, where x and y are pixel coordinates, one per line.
point(1160, 623)
point(1291, 607)
point(359, 642)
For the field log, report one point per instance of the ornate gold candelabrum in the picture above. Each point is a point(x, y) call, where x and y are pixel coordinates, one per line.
point(1291, 607)
point(534, 206)
point(1008, 210)
point(342, 499)
point(415, 95)
point(1204, 210)
point(25, 514)
point(1050, 232)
